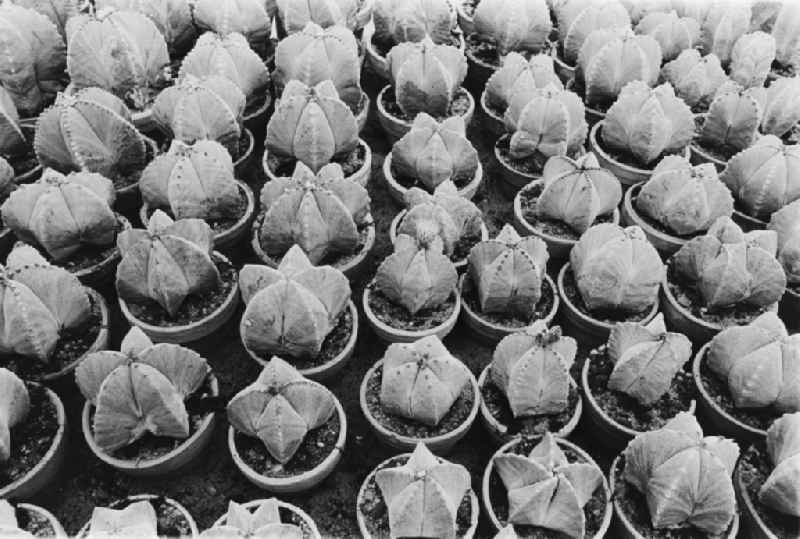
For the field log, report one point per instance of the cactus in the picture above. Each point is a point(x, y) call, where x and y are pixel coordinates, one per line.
point(138, 519)
point(63, 214)
point(292, 309)
point(422, 496)
point(786, 224)
point(732, 121)
point(280, 408)
point(616, 268)
point(695, 78)
point(433, 153)
point(401, 21)
point(732, 268)
point(579, 18)
point(33, 60)
point(15, 403)
point(672, 32)
point(508, 272)
point(421, 381)
point(166, 262)
point(685, 478)
point(519, 75)
point(531, 368)
point(781, 490)
point(193, 182)
point(251, 18)
point(726, 21)
point(140, 390)
point(12, 139)
point(785, 31)
point(311, 125)
point(577, 192)
point(314, 55)
point(173, 18)
point(426, 77)
point(513, 25)
point(648, 123)
point(751, 59)
point(351, 14)
point(781, 107)
point(683, 198)
point(764, 177)
point(265, 521)
point(321, 213)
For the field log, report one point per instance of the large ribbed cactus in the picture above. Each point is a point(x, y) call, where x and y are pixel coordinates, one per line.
point(616, 268)
point(531, 368)
point(352, 14)
point(726, 21)
point(321, 213)
point(251, 18)
point(513, 25)
point(751, 59)
point(15, 403)
point(518, 74)
point(89, 131)
point(6, 180)
point(781, 490)
point(579, 18)
point(786, 32)
point(731, 123)
point(685, 199)
point(672, 32)
point(292, 309)
point(433, 152)
point(732, 268)
point(311, 125)
point(786, 224)
point(166, 262)
point(33, 57)
point(264, 521)
point(173, 18)
point(685, 478)
point(61, 214)
point(314, 55)
point(401, 21)
point(577, 192)
point(648, 123)
point(12, 139)
point(781, 107)
point(194, 181)
point(695, 78)
point(508, 272)
point(764, 177)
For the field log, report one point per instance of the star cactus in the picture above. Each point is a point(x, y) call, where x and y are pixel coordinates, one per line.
point(781, 490)
point(731, 123)
point(173, 18)
point(672, 32)
point(781, 107)
point(725, 22)
point(351, 14)
point(400, 21)
point(265, 521)
point(138, 519)
point(695, 78)
point(251, 18)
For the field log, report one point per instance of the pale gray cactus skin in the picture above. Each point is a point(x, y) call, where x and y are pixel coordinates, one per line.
point(685, 199)
point(138, 519)
point(695, 78)
point(579, 18)
point(786, 224)
point(685, 477)
point(781, 490)
point(751, 59)
point(672, 32)
point(786, 32)
point(546, 490)
point(291, 309)
point(781, 112)
point(764, 177)
point(251, 18)
point(173, 18)
point(423, 495)
point(59, 12)
point(312, 125)
point(725, 22)
point(421, 380)
point(513, 25)
point(648, 123)
point(732, 268)
point(321, 213)
point(6, 179)
point(352, 14)
point(265, 521)
point(733, 118)
point(508, 272)
point(531, 368)
point(62, 214)
point(401, 21)
point(166, 262)
point(33, 57)
point(435, 152)
point(518, 74)
point(12, 140)
point(15, 404)
point(616, 268)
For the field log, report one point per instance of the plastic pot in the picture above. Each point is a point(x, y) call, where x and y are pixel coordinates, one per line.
point(511, 180)
point(398, 192)
point(104, 271)
point(121, 504)
point(491, 122)
point(753, 527)
point(395, 127)
point(565, 71)
point(256, 121)
point(665, 244)
point(361, 176)
point(254, 505)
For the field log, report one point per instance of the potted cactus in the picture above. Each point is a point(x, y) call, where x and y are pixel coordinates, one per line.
point(314, 126)
point(546, 487)
point(287, 432)
point(612, 276)
point(27, 520)
point(784, 31)
point(250, 18)
point(147, 409)
point(141, 515)
point(325, 214)
point(722, 27)
point(419, 393)
point(300, 312)
point(678, 202)
point(506, 287)
point(636, 382)
point(263, 518)
point(571, 196)
point(291, 17)
point(7, 185)
point(35, 416)
point(723, 278)
point(751, 59)
point(417, 495)
point(196, 181)
point(171, 283)
point(782, 110)
point(16, 141)
point(695, 78)
point(527, 389)
point(641, 127)
point(786, 224)
point(430, 154)
point(674, 33)
point(675, 478)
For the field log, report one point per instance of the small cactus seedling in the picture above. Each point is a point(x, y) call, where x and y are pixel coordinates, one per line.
point(518, 74)
point(786, 224)
point(265, 521)
point(579, 18)
point(751, 59)
point(672, 32)
point(15, 403)
point(781, 490)
point(139, 519)
point(695, 78)
point(513, 25)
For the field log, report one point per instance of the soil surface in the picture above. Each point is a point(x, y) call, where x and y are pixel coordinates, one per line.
point(529, 197)
point(398, 317)
point(532, 165)
point(754, 468)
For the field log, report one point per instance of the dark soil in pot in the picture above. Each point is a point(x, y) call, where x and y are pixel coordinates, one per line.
point(486, 52)
point(780, 70)
point(607, 316)
point(350, 162)
point(460, 180)
point(257, 101)
point(384, 45)
point(469, 295)
point(754, 468)
point(529, 198)
point(464, 245)
point(217, 225)
point(397, 317)
point(529, 165)
point(458, 107)
point(34, 523)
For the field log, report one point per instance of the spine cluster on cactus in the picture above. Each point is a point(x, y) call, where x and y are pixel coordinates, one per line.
point(519, 75)
point(401, 21)
point(731, 123)
point(781, 490)
point(513, 25)
point(351, 14)
point(672, 32)
point(751, 59)
point(695, 78)
point(579, 18)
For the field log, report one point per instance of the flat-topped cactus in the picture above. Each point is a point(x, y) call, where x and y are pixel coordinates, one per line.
point(401, 21)
point(751, 59)
point(251, 18)
point(15, 403)
point(781, 112)
point(732, 268)
point(531, 368)
point(166, 262)
point(173, 18)
point(725, 22)
point(138, 519)
point(61, 214)
point(616, 268)
point(519, 74)
point(265, 521)
point(12, 139)
point(280, 408)
point(421, 380)
point(781, 490)
point(321, 213)
point(508, 272)
point(513, 25)
point(685, 478)
point(785, 31)
point(291, 309)
point(672, 32)
point(422, 496)
point(786, 224)
point(695, 78)
point(351, 14)
point(579, 18)
point(546, 490)
point(685, 199)
point(731, 123)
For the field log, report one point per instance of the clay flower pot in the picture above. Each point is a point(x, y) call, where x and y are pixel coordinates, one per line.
point(490, 121)
point(254, 505)
point(34, 512)
point(104, 270)
point(699, 155)
point(512, 179)
point(478, 71)
point(297, 483)
point(753, 526)
point(395, 127)
point(438, 444)
point(665, 244)
point(565, 71)
point(241, 164)
point(398, 191)
point(152, 498)
point(177, 459)
point(361, 176)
